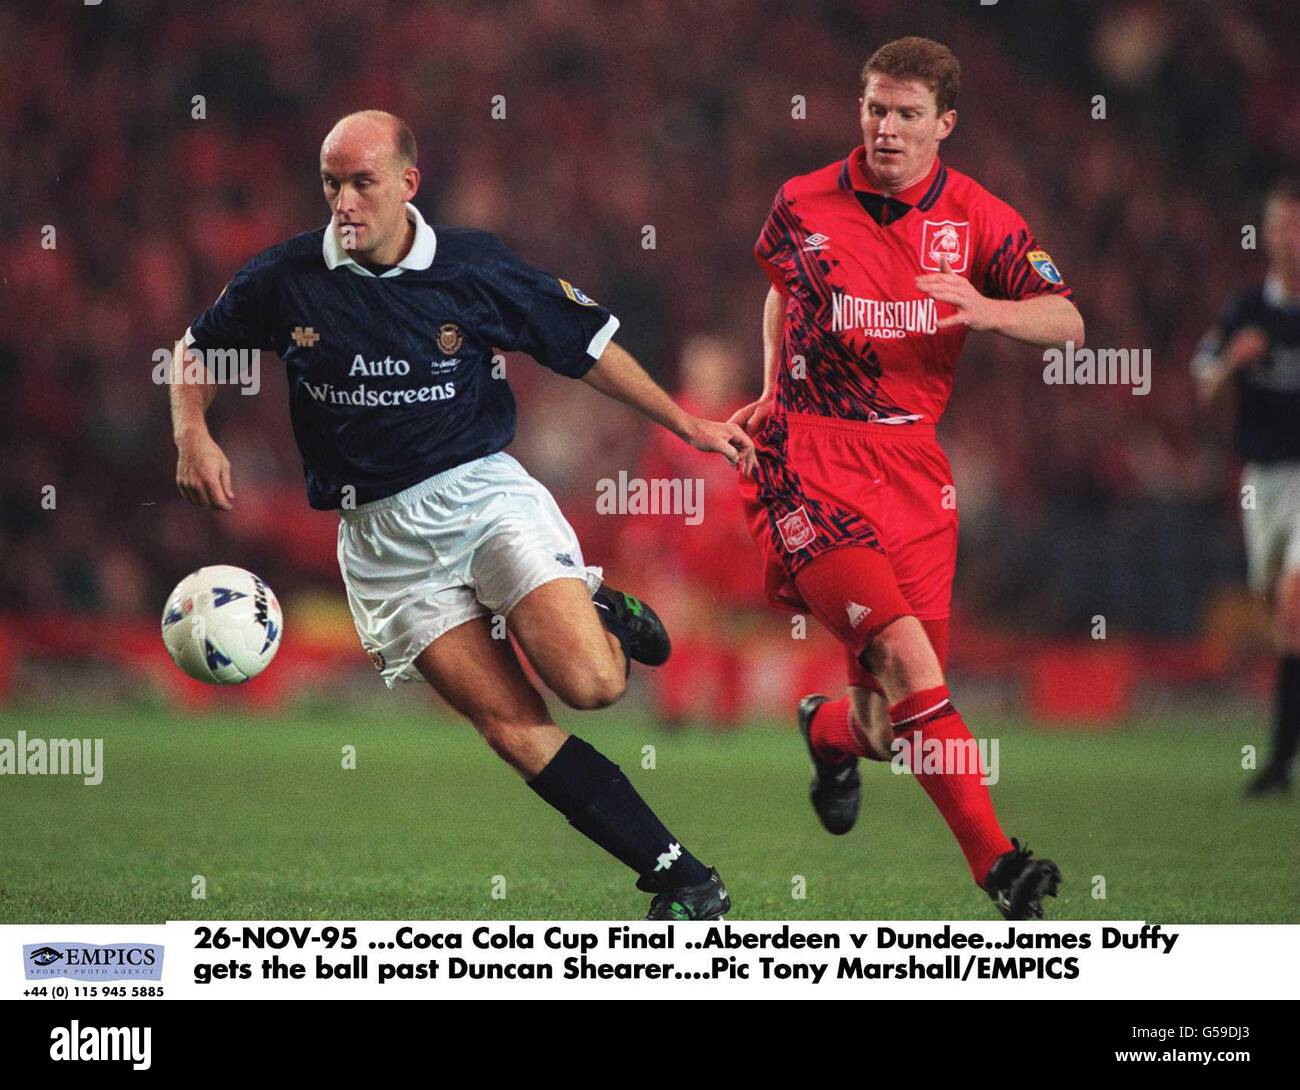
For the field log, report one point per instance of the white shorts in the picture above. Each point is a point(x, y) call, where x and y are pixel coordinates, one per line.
point(468, 542)
point(1272, 523)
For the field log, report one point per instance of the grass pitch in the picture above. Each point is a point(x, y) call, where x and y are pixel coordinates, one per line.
point(422, 827)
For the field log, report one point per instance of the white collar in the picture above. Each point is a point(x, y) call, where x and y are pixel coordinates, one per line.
point(418, 257)
point(1275, 294)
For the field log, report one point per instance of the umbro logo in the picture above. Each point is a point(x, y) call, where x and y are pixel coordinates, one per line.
point(816, 242)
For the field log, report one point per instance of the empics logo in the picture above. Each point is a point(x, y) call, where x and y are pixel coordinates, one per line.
point(108, 1044)
point(91, 961)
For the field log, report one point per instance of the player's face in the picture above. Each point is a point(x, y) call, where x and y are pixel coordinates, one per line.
point(367, 188)
point(901, 129)
point(1282, 234)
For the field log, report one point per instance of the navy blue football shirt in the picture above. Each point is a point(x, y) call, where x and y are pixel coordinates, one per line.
point(1268, 405)
point(391, 375)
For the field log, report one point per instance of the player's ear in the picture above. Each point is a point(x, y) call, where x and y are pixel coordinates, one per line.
point(410, 182)
point(947, 122)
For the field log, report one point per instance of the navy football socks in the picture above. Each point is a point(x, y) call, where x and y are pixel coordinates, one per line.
point(599, 801)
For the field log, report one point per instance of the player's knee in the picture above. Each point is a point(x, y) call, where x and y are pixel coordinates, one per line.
point(901, 656)
point(594, 687)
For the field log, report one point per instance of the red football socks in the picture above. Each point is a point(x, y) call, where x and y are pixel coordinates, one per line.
point(961, 797)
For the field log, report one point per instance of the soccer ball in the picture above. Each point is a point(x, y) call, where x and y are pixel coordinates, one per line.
point(222, 625)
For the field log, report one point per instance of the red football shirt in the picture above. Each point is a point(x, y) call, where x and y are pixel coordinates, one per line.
point(861, 340)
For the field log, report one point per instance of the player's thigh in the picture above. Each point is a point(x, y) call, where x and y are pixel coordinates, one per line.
point(853, 592)
point(560, 631)
point(481, 678)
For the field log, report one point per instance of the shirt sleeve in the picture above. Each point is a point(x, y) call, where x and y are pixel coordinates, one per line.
point(1017, 266)
point(774, 242)
point(242, 317)
point(543, 315)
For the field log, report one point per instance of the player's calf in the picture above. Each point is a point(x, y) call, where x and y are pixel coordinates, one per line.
point(560, 631)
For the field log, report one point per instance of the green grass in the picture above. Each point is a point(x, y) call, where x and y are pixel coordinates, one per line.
point(262, 809)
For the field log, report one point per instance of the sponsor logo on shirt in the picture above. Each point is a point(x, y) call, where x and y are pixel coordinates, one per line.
point(945, 239)
point(881, 319)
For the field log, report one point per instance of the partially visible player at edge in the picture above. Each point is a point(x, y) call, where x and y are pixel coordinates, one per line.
point(388, 329)
point(1248, 365)
point(880, 265)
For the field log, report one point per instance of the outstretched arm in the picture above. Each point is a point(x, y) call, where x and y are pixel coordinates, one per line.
point(751, 417)
point(1041, 320)
point(617, 375)
point(202, 469)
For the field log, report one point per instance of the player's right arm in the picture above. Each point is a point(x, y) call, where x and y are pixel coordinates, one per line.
point(202, 469)
point(751, 417)
point(241, 318)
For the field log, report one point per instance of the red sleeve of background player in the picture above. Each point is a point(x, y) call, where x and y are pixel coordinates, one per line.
point(1015, 264)
point(775, 243)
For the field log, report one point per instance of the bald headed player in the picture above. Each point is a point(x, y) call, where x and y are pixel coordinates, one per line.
point(880, 265)
point(387, 329)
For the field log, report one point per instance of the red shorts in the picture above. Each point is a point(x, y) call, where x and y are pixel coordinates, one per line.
point(882, 494)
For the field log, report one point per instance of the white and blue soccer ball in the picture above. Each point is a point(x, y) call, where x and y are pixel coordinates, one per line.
point(222, 625)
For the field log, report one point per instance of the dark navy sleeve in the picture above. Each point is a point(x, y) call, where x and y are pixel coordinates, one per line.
point(534, 312)
point(1231, 318)
point(243, 315)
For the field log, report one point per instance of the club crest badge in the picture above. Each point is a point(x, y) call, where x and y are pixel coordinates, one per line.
point(945, 239)
point(1042, 263)
point(796, 530)
point(449, 338)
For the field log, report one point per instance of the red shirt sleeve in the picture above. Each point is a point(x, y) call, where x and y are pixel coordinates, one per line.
point(1015, 265)
point(774, 243)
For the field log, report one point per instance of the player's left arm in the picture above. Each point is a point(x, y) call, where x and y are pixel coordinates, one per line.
point(1010, 285)
point(1036, 319)
point(618, 375)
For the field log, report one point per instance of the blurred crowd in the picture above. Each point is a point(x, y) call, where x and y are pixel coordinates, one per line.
point(149, 149)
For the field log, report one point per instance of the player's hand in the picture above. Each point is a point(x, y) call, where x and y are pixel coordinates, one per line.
point(754, 415)
point(721, 437)
point(973, 309)
point(1248, 345)
point(203, 473)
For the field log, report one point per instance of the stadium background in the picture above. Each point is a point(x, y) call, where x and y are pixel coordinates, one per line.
point(1076, 502)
